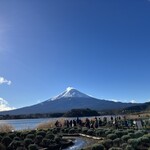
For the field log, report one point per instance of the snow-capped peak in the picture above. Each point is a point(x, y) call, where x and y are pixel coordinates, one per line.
point(70, 92)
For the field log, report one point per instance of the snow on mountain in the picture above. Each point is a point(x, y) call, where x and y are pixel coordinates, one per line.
point(70, 92)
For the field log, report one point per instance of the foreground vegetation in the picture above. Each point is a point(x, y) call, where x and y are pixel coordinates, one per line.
point(52, 139)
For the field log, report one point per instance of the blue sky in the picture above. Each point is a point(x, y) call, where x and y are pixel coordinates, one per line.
point(100, 47)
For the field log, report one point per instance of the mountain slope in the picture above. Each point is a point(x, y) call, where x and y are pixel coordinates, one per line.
point(69, 99)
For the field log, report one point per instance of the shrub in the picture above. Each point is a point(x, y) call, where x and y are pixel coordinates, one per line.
point(144, 140)
point(6, 140)
point(112, 136)
point(133, 142)
point(16, 138)
point(58, 139)
point(33, 147)
point(119, 133)
point(132, 135)
point(125, 138)
point(100, 132)
point(124, 145)
point(138, 134)
point(42, 133)
point(84, 130)
point(46, 142)
point(11, 135)
point(108, 132)
point(90, 132)
point(38, 139)
point(115, 148)
point(27, 142)
point(50, 136)
point(72, 130)
point(116, 142)
point(30, 136)
point(98, 147)
point(107, 143)
point(129, 147)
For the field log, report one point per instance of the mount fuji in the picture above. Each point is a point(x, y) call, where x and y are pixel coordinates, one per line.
point(69, 99)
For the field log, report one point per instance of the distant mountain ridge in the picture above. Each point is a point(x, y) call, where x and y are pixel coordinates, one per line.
point(69, 99)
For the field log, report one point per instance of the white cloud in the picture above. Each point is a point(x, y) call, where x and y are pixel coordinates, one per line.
point(115, 100)
point(4, 105)
point(133, 101)
point(4, 81)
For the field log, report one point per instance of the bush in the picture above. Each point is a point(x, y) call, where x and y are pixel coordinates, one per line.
point(27, 142)
point(84, 130)
point(107, 143)
point(90, 132)
point(144, 140)
point(138, 134)
point(46, 142)
point(133, 142)
point(6, 140)
point(38, 139)
point(129, 147)
point(100, 132)
point(50, 136)
point(98, 147)
point(33, 147)
point(30, 136)
point(116, 142)
point(16, 138)
point(112, 136)
point(42, 133)
point(115, 148)
point(125, 138)
point(124, 145)
point(119, 133)
point(72, 131)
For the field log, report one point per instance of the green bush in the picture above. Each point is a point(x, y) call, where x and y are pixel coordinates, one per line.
point(33, 147)
point(100, 132)
point(144, 140)
point(6, 140)
point(42, 133)
point(124, 145)
point(132, 135)
point(98, 147)
point(50, 136)
point(138, 134)
point(46, 142)
point(115, 148)
point(133, 142)
point(30, 136)
point(125, 138)
point(107, 143)
point(38, 139)
point(16, 138)
point(84, 130)
point(117, 142)
point(90, 132)
point(27, 142)
point(119, 133)
point(112, 136)
point(129, 147)
point(72, 131)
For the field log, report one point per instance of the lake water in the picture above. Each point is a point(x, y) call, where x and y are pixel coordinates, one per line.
point(20, 124)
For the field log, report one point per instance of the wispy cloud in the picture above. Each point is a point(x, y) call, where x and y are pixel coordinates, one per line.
point(133, 101)
point(5, 81)
point(4, 106)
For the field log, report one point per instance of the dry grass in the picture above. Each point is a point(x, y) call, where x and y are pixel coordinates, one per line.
point(49, 124)
point(6, 128)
